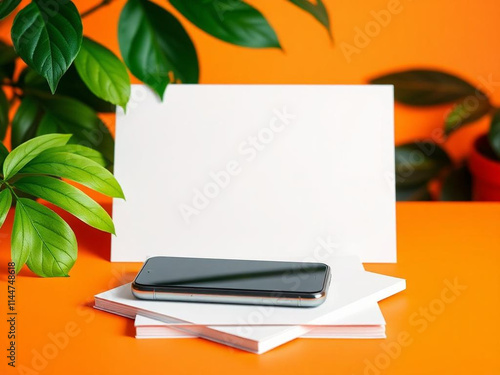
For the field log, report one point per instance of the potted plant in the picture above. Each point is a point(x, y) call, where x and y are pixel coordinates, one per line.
point(423, 87)
point(56, 133)
point(484, 163)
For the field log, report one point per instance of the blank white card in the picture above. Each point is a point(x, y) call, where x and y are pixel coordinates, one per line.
point(279, 172)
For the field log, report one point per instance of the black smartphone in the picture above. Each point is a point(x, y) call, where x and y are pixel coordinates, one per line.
point(298, 284)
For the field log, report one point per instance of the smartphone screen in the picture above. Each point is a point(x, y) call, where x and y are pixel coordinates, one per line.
point(233, 275)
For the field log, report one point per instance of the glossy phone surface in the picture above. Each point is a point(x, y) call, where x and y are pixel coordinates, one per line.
point(232, 281)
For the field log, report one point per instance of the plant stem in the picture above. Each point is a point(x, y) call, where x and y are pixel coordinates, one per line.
point(13, 99)
point(9, 84)
point(96, 7)
point(10, 188)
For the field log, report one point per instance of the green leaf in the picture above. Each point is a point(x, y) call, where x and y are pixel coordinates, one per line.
point(25, 121)
point(419, 162)
point(26, 152)
point(4, 114)
point(154, 46)
point(47, 36)
point(5, 203)
point(73, 117)
point(29, 79)
point(413, 193)
point(494, 133)
point(317, 10)
point(7, 53)
point(76, 168)
point(232, 21)
point(420, 87)
point(70, 85)
point(86, 152)
point(457, 186)
point(3, 154)
point(103, 73)
point(24, 236)
point(7, 61)
point(68, 198)
point(7, 6)
point(43, 238)
point(466, 112)
point(47, 125)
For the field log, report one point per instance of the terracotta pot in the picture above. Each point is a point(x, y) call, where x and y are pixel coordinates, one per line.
point(485, 170)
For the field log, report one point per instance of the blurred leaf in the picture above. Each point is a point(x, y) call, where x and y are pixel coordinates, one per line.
point(103, 73)
point(73, 117)
point(23, 154)
point(70, 85)
point(43, 238)
point(457, 186)
point(7, 61)
point(86, 152)
point(154, 45)
point(416, 193)
point(48, 37)
point(419, 162)
point(317, 10)
point(5, 203)
point(47, 125)
point(25, 121)
point(7, 53)
point(3, 154)
point(7, 6)
point(465, 112)
point(68, 198)
point(494, 133)
point(31, 79)
point(232, 21)
point(4, 114)
point(421, 87)
point(76, 168)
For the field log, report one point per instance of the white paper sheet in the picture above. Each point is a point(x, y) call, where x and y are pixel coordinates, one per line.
point(256, 172)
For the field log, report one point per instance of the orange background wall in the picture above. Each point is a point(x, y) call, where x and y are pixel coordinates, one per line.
point(460, 36)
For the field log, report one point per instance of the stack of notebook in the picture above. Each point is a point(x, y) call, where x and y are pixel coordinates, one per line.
point(350, 311)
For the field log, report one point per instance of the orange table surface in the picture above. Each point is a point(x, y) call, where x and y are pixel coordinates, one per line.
point(446, 322)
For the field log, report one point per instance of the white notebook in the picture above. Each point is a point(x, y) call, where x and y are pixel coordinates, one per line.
point(366, 323)
point(315, 332)
point(351, 289)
